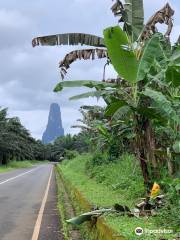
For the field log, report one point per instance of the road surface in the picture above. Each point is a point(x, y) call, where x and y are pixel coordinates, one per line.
point(28, 207)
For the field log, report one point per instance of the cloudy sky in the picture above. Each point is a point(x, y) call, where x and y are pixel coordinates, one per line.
point(28, 75)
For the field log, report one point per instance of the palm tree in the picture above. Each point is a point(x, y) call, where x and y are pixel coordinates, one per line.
point(16, 142)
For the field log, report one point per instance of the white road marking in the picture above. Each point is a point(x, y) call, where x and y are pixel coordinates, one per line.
point(20, 175)
point(41, 211)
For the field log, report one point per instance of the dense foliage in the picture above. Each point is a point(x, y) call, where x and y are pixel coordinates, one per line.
point(16, 143)
point(67, 147)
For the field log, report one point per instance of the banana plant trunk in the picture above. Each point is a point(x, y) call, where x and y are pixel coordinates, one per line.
point(145, 141)
point(140, 149)
point(150, 149)
point(145, 146)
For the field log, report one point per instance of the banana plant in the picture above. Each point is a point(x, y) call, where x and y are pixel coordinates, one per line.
point(147, 100)
point(143, 94)
point(146, 64)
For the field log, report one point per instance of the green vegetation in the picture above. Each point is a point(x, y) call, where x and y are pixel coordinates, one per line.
point(113, 184)
point(66, 209)
point(67, 147)
point(16, 143)
point(107, 184)
point(61, 206)
point(17, 164)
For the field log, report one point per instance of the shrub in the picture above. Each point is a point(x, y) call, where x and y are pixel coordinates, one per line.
point(70, 154)
point(169, 215)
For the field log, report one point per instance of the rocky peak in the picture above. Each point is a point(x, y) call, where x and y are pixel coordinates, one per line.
point(54, 127)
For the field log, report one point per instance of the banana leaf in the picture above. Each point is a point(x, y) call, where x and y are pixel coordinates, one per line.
point(173, 75)
point(131, 13)
point(114, 107)
point(161, 104)
point(135, 17)
point(96, 94)
point(69, 39)
point(88, 216)
point(173, 71)
point(164, 15)
point(103, 130)
point(83, 54)
point(123, 59)
point(83, 83)
point(151, 51)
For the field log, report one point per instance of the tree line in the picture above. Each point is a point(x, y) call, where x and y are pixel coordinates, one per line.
point(17, 144)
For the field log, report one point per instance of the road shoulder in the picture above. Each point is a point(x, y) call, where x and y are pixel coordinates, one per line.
point(51, 226)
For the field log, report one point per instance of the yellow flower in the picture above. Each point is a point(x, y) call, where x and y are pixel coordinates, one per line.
point(155, 190)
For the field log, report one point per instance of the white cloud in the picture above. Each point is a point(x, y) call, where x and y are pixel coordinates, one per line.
point(35, 120)
point(12, 19)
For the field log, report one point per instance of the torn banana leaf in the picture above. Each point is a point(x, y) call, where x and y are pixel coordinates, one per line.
point(131, 13)
point(88, 216)
point(69, 39)
point(163, 16)
point(83, 54)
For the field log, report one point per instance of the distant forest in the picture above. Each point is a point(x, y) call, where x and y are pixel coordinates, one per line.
point(17, 144)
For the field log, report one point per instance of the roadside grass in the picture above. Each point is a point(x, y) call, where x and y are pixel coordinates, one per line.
point(103, 186)
point(107, 184)
point(61, 206)
point(66, 209)
point(18, 164)
point(4, 169)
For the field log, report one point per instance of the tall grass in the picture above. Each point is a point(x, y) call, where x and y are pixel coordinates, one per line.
point(116, 182)
point(17, 164)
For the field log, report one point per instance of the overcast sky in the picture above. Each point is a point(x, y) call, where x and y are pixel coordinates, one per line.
point(28, 75)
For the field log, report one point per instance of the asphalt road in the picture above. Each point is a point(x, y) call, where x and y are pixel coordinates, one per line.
point(21, 195)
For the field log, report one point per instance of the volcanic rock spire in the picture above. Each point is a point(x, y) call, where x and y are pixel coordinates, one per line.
point(54, 127)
